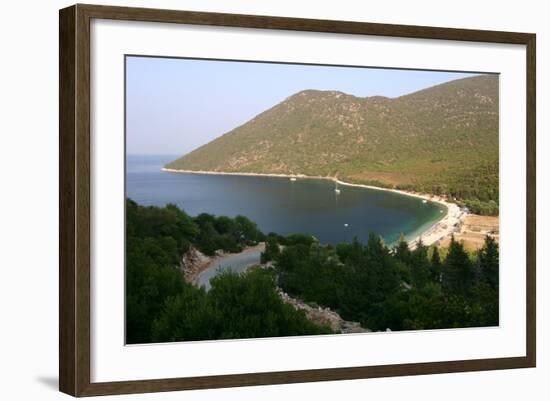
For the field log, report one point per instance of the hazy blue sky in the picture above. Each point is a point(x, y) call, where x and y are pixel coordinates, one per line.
point(175, 105)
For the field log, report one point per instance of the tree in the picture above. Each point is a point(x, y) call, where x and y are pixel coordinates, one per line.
point(295, 239)
point(425, 308)
point(458, 273)
point(244, 305)
point(420, 265)
point(207, 240)
point(248, 231)
point(248, 305)
point(402, 251)
point(151, 278)
point(436, 266)
point(185, 316)
point(486, 309)
point(272, 249)
point(225, 225)
point(367, 283)
point(488, 259)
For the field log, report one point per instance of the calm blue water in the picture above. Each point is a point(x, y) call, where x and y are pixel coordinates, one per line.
point(282, 206)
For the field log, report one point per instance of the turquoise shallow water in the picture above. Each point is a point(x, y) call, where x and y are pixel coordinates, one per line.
point(282, 206)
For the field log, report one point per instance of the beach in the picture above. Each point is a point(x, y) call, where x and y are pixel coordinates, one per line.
point(439, 231)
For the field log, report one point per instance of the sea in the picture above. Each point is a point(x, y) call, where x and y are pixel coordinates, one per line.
point(277, 204)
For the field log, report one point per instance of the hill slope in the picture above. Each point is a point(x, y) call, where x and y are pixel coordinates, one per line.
point(443, 140)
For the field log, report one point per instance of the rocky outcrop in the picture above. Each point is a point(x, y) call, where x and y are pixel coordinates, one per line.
point(192, 263)
point(323, 316)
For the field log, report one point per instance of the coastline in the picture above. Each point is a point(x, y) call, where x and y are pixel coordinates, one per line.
point(441, 229)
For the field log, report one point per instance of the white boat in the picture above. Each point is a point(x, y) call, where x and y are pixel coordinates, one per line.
point(292, 178)
point(336, 189)
point(424, 201)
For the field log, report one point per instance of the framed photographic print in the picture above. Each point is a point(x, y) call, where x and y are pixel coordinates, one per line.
point(250, 200)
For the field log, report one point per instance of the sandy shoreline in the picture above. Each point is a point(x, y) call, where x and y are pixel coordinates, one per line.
point(440, 230)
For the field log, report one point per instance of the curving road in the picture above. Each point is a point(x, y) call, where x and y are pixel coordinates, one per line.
point(236, 262)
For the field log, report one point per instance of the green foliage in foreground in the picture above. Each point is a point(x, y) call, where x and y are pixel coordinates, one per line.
point(395, 288)
point(398, 288)
point(206, 232)
point(161, 306)
point(237, 306)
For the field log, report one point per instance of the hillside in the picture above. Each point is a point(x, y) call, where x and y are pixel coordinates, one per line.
point(442, 140)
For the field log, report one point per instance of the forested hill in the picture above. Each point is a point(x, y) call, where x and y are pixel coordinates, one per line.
point(442, 140)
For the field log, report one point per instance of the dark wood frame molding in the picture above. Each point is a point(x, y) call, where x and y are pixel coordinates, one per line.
point(74, 199)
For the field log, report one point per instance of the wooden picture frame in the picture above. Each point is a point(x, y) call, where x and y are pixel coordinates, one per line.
point(74, 203)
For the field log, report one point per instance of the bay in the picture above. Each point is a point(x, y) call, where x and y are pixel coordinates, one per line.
point(276, 204)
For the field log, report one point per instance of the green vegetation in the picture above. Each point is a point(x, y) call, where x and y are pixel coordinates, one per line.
point(161, 306)
point(225, 233)
point(397, 288)
point(441, 140)
point(237, 306)
point(178, 230)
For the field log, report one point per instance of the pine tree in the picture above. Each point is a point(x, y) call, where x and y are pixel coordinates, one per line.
point(382, 275)
point(402, 251)
point(436, 266)
point(488, 259)
point(420, 265)
point(458, 272)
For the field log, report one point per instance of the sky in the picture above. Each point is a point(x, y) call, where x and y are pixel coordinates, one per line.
point(176, 105)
